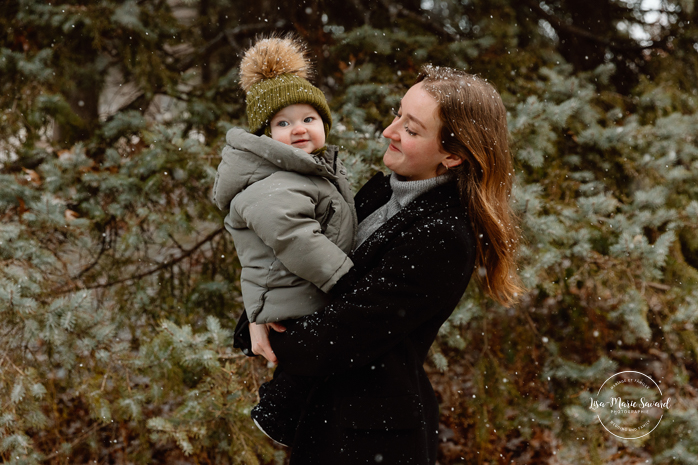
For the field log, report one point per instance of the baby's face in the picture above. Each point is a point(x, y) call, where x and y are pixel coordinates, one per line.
point(300, 126)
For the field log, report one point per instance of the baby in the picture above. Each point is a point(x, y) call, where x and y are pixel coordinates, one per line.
point(291, 209)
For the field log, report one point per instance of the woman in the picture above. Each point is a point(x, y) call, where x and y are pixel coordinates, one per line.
point(443, 212)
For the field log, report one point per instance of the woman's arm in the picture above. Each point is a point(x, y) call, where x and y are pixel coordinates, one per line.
point(424, 273)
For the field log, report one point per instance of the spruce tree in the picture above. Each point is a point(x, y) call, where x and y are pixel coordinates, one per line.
point(119, 287)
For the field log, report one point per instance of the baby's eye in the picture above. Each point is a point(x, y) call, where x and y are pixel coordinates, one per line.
point(282, 124)
point(309, 119)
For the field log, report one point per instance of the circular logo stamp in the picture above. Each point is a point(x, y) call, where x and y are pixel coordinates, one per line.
point(630, 405)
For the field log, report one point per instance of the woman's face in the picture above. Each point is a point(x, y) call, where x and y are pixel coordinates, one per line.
point(414, 151)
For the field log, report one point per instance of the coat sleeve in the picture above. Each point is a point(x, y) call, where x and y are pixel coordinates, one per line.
point(282, 213)
point(412, 282)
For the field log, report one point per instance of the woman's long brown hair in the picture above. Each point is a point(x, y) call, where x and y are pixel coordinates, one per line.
point(474, 128)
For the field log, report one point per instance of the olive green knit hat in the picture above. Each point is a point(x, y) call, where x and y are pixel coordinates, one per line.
point(273, 73)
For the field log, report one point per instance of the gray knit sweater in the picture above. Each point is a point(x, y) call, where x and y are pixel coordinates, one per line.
point(404, 192)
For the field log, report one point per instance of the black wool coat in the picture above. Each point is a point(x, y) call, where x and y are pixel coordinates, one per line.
point(374, 403)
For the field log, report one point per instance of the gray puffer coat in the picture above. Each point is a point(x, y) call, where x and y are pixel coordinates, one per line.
point(293, 222)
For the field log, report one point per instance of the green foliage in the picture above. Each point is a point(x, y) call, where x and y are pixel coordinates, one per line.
point(119, 287)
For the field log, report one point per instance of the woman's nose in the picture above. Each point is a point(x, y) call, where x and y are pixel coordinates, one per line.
point(390, 132)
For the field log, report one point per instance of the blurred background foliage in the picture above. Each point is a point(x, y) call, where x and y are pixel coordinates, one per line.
point(119, 288)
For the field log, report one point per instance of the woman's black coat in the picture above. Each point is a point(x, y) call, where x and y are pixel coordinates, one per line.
point(374, 402)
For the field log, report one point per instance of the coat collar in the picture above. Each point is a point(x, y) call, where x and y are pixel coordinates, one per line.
point(372, 195)
point(437, 199)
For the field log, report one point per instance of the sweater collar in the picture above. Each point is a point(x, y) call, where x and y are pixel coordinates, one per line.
point(405, 191)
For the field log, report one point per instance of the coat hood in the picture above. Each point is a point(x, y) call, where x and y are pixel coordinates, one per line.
point(248, 158)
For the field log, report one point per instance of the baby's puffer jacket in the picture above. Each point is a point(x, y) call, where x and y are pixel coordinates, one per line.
point(293, 222)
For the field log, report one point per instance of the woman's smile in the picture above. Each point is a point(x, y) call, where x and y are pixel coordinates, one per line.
point(415, 151)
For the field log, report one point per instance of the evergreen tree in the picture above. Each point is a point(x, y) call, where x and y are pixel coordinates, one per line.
point(119, 287)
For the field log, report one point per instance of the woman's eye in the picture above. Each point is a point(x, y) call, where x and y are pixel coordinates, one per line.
point(410, 132)
point(395, 112)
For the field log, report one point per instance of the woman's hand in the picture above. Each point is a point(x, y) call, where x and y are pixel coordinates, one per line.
point(259, 334)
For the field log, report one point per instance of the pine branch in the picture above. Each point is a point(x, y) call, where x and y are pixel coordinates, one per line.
point(5, 357)
point(530, 321)
point(425, 21)
point(138, 276)
point(142, 101)
point(76, 441)
point(366, 13)
point(103, 247)
point(229, 35)
point(559, 24)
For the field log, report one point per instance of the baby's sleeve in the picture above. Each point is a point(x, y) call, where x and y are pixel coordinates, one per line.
point(224, 188)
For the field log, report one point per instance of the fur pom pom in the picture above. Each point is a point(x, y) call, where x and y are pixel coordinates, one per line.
point(271, 57)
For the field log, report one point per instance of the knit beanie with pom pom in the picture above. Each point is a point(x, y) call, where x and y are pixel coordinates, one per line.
point(274, 74)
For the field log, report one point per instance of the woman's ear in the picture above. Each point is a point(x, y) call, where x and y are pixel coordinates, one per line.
point(451, 161)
